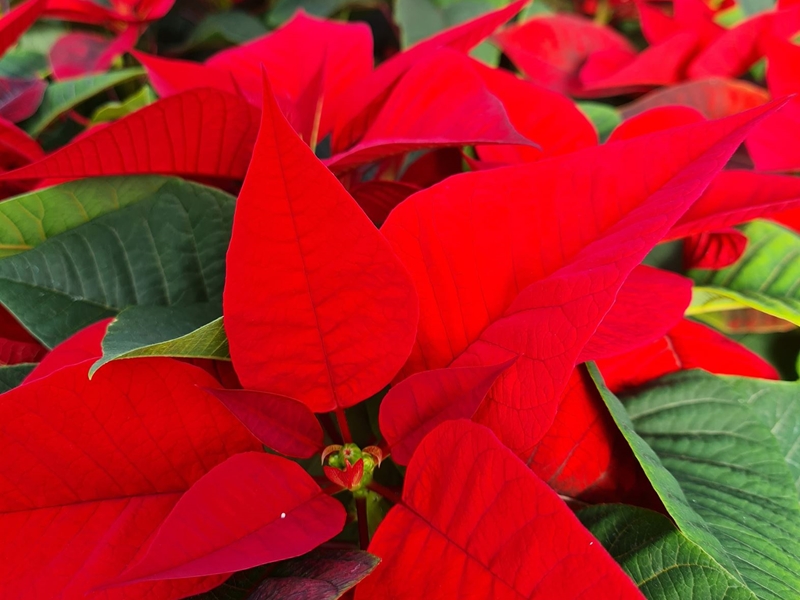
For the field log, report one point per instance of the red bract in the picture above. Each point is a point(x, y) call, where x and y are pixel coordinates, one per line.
point(19, 98)
point(688, 345)
point(470, 510)
point(442, 95)
point(200, 133)
point(214, 528)
point(713, 249)
point(119, 12)
point(496, 279)
point(317, 306)
point(91, 469)
point(14, 24)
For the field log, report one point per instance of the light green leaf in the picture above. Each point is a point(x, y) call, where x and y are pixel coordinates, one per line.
point(720, 473)
point(65, 95)
point(766, 277)
point(663, 562)
point(605, 118)
point(113, 243)
point(193, 331)
point(12, 375)
point(111, 111)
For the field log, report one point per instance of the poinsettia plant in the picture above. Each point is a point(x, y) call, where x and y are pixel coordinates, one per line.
point(366, 303)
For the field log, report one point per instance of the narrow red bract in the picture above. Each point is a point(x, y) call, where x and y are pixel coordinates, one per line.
point(470, 512)
point(317, 306)
point(16, 22)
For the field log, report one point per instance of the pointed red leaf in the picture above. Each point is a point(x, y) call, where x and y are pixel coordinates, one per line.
point(170, 76)
point(584, 456)
point(733, 52)
point(317, 306)
point(649, 304)
point(713, 249)
point(17, 148)
point(417, 405)
point(551, 50)
point(662, 64)
point(378, 198)
point(252, 509)
point(738, 196)
point(92, 467)
point(344, 48)
point(470, 510)
point(16, 22)
point(198, 133)
point(688, 345)
point(655, 119)
point(359, 104)
point(83, 346)
point(433, 106)
point(94, 13)
point(499, 276)
point(283, 424)
point(548, 118)
point(349, 477)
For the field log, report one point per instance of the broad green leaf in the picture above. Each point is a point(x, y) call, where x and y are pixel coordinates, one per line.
point(113, 243)
point(28, 220)
point(777, 405)
point(663, 562)
point(111, 111)
point(193, 331)
point(720, 473)
point(65, 95)
point(766, 277)
point(41, 36)
point(605, 118)
point(21, 64)
point(221, 29)
point(420, 19)
point(12, 375)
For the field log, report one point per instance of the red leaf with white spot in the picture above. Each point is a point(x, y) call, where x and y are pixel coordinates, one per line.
point(251, 510)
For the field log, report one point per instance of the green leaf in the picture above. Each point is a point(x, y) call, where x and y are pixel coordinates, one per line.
point(420, 19)
point(605, 118)
point(777, 405)
point(111, 111)
point(112, 243)
point(63, 96)
point(754, 7)
point(720, 473)
point(193, 331)
point(21, 64)
point(218, 30)
point(663, 562)
point(766, 277)
point(283, 10)
point(12, 375)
